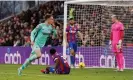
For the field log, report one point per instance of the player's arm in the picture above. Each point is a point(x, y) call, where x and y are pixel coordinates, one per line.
point(34, 32)
point(65, 35)
point(121, 34)
point(80, 34)
point(56, 63)
point(54, 33)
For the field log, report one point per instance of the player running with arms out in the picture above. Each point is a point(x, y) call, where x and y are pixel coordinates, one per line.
point(61, 65)
point(71, 40)
point(38, 39)
point(116, 39)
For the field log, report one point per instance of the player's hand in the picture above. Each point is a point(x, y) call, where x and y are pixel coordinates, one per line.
point(32, 43)
point(53, 25)
point(53, 37)
point(119, 45)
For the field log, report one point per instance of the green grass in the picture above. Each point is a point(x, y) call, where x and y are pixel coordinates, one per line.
point(9, 72)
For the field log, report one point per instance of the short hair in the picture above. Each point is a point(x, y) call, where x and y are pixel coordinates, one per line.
point(114, 16)
point(52, 51)
point(47, 16)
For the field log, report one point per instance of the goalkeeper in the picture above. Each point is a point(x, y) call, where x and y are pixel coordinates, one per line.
point(61, 65)
point(38, 39)
point(116, 39)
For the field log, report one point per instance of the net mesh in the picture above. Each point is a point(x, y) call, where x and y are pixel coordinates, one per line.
point(95, 24)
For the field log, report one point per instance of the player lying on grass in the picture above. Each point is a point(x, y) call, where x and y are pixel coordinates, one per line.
point(38, 39)
point(61, 65)
point(116, 39)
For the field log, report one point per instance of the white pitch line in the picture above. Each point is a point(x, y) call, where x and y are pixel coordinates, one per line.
point(22, 74)
point(10, 73)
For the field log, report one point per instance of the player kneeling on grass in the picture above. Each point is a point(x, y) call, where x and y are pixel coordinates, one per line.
point(61, 65)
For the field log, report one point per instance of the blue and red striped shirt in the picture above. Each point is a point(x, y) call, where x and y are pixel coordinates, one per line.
point(63, 65)
point(71, 33)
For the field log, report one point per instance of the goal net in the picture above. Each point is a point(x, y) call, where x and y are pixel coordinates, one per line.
point(94, 19)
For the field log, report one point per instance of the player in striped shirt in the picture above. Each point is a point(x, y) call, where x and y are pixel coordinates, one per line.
point(71, 39)
point(61, 65)
point(116, 39)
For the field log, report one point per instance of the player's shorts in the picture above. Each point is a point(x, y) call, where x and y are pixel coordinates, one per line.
point(73, 45)
point(66, 71)
point(115, 49)
point(35, 47)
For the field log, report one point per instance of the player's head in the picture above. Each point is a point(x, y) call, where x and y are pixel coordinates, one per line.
point(114, 18)
point(49, 18)
point(71, 21)
point(52, 51)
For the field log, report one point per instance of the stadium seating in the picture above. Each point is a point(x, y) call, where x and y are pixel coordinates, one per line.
point(16, 30)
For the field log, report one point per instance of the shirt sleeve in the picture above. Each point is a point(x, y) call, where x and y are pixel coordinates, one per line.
point(34, 32)
point(55, 59)
point(121, 27)
point(121, 31)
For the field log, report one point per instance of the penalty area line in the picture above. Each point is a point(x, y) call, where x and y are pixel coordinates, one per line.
point(5, 73)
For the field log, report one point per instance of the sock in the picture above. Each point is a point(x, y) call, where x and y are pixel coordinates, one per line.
point(118, 62)
point(115, 62)
point(121, 60)
point(72, 60)
point(28, 61)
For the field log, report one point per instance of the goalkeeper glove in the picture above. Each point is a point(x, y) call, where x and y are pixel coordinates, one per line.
point(119, 45)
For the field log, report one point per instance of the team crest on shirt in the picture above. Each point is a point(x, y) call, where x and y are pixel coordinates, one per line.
point(72, 31)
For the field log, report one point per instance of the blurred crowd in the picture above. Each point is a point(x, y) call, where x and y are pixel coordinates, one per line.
point(95, 23)
point(16, 30)
point(94, 20)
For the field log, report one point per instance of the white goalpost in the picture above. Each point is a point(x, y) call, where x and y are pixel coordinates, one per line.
point(94, 18)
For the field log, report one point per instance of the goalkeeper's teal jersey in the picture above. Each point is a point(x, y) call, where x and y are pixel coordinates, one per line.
point(40, 34)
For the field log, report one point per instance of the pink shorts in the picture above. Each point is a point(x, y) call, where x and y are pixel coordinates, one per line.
point(115, 49)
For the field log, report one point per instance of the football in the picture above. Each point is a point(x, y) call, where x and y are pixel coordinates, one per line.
point(81, 65)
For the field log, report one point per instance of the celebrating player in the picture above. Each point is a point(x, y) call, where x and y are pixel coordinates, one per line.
point(116, 39)
point(71, 32)
point(61, 65)
point(38, 39)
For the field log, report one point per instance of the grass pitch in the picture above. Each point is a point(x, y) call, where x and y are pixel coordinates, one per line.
point(9, 72)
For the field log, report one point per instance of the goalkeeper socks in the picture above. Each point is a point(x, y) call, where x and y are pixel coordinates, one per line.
point(118, 62)
point(28, 61)
point(121, 61)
